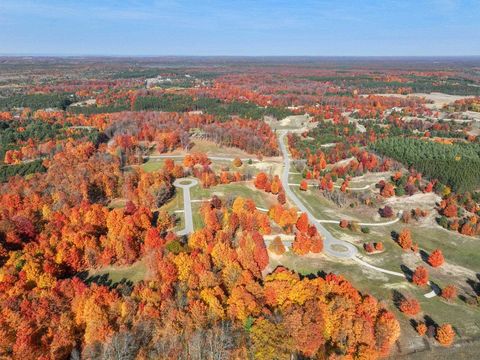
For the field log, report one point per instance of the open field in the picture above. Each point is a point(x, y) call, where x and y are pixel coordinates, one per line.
point(233, 190)
point(116, 274)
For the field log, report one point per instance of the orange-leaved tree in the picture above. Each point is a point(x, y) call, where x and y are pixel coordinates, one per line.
point(436, 258)
point(445, 334)
point(420, 276)
point(405, 239)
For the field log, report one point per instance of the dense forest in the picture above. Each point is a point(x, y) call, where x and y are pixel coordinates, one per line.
point(37, 101)
point(223, 110)
point(456, 165)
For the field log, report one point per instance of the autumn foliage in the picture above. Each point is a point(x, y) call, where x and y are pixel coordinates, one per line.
point(420, 276)
point(445, 335)
point(421, 328)
point(449, 292)
point(436, 258)
point(409, 306)
point(91, 262)
point(303, 185)
point(276, 246)
point(405, 239)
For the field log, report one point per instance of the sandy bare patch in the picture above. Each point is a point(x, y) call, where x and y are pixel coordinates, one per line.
point(411, 260)
point(218, 193)
point(421, 200)
point(472, 115)
point(457, 270)
point(373, 177)
point(273, 256)
point(288, 237)
point(397, 285)
point(374, 274)
point(268, 167)
point(85, 103)
point(350, 238)
point(341, 162)
point(297, 123)
point(294, 120)
point(439, 99)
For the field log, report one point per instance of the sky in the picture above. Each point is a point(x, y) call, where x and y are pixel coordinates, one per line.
point(240, 27)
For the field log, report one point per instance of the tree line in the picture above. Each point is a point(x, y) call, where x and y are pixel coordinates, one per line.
point(223, 110)
point(456, 165)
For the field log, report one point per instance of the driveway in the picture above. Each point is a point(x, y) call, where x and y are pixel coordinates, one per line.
point(185, 184)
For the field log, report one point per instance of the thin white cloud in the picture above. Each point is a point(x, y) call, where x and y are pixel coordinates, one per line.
point(81, 9)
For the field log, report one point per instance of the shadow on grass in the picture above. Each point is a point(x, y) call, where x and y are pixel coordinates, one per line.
point(397, 298)
point(431, 326)
point(320, 274)
point(407, 271)
point(125, 286)
point(474, 285)
point(394, 236)
point(424, 256)
point(436, 289)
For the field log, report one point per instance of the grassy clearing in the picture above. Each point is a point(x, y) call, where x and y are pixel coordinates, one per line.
point(117, 203)
point(185, 182)
point(295, 178)
point(152, 165)
point(323, 209)
point(317, 205)
point(176, 203)
point(233, 190)
point(196, 216)
point(134, 273)
point(217, 166)
point(467, 351)
point(458, 249)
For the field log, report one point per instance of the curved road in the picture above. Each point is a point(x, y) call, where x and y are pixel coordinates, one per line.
point(332, 246)
point(345, 250)
point(187, 204)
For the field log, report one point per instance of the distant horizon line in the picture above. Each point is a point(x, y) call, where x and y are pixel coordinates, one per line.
point(59, 55)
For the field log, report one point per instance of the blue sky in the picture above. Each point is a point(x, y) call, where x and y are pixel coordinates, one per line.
point(241, 27)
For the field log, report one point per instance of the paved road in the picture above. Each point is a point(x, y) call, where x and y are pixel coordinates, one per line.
point(351, 252)
point(187, 203)
point(343, 249)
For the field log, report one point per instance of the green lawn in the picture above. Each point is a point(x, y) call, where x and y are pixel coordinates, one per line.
point(152, 165)
point(458, 249)
point(294, 178)
point(197, 217)
point(134, 273)
point(323, 209)
point(232, 190)
point(176, 203)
